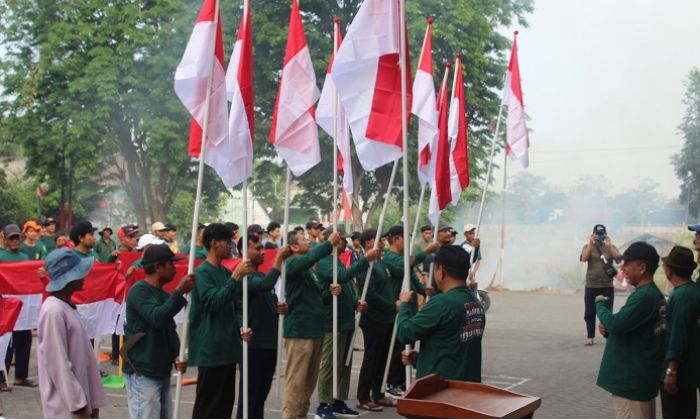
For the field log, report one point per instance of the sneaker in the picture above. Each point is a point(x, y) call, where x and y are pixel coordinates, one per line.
point(394, 392)
point(340, 409)
point(589, 342)
point(324, 412)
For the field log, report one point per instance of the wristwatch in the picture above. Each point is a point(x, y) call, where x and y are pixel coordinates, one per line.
point(670, 371)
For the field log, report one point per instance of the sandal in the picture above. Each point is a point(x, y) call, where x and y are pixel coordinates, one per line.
point(369, 406)
point(385, 402)
point(27, 383)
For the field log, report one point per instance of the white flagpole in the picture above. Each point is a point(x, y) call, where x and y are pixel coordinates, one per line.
point(365, 287)
point(334, 216)
point(503, 218)
point(418, 210)
point(283, 278)
point(195, 220)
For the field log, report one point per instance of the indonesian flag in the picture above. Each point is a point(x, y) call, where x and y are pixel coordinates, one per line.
point(367, 74)
point(325, 117)
point(204, 58)
point(294, 132)
point(10, 309)
point(457, 133)
point(425, 107)
point(233, 159)
point(517, 139)
point(440, 193)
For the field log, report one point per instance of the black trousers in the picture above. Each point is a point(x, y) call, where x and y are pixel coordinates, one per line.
point(262, 364)
point(589, 300)
point(397, 371)
point(21, 347)
point(216, 392)
point(681, 405)
point(377, 337)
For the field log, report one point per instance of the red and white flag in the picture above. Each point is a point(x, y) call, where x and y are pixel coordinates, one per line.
point(345, 213)
point(440, 192)
point(367, 74)
point(10, 309)
point(425, 107)
point(233, 159)
point(204, 58)
point(294, 132)
point(457, 133)
point(326, 116)
point(517, 138)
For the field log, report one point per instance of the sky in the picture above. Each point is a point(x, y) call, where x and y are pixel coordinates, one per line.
point(603, 84)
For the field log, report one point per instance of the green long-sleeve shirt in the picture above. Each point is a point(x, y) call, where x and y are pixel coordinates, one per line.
point(104, 251)
point(395, 263)
point(381, 305)
point(450, 327)
point(9, 256)
point(262, 308)
point(36, 252)
point(215, 331)
point(683, 334)
point(303, 294)
point(347, 301)
point(151, 310)
point(634, 351)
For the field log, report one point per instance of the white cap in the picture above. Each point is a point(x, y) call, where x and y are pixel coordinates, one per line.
point(148, 239)
point(157, 226)
point(468, 227)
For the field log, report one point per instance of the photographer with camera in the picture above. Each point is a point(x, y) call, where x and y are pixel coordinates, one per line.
point(598, 254)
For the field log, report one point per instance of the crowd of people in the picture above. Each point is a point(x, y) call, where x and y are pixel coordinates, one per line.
point(449, 325)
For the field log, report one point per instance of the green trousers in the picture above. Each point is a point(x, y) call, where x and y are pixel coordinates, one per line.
point(325, 375)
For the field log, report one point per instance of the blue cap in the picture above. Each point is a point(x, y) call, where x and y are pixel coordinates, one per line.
point(64, 266)
point(695, 227)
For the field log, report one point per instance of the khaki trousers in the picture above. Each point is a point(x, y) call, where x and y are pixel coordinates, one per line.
point(325, 377)
point(630, 409)
point(301, 374)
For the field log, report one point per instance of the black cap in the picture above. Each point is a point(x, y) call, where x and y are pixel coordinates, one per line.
point(454, 259)
point(159, 254)
point(12, 230)
point(599, 229)
point(79, 230)
point(49, 221)
point(314, 224)
point(639, 251)
point(111, 232)
point(367, 235)
point(394, 231)
point(680, 257)
point(170, 226)
point(255, 229)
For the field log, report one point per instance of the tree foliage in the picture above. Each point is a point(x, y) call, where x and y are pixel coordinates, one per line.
point(687, 162)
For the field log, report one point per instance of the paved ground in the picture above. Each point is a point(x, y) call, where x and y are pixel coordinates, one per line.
point(533, 345)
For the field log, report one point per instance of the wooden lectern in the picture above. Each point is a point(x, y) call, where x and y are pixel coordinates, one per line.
point(433, 398)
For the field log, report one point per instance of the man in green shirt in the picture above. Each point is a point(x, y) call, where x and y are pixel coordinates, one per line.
point(263, 311)
point(634, 351)
point(377, 324)
point(304, 326)
point(151, 335)
point(49, 237)
point(681, 373)
point(105, 247)
point(83, 237)
point(348, 303)
point(215, 339)
point(200, 252)
point(451, 325)
point(32, 247)
point(21, 340)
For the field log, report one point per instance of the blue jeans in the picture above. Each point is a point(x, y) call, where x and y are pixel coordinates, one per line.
point(148, 398)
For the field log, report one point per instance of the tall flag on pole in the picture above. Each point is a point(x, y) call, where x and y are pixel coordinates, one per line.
point(367, 75)
point(425, 107)
point(517, 139)
point(233, 159)
point(204, 57)
point(457, 133)
point(294, 132)
point(441, 194)
point(325, 115)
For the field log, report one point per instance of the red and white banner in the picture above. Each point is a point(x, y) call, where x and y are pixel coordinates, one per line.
point(367, 74)
point(517, 138)
point(10, 309)
point(294, 132)
point(345, 213)
point(204, 58)
point(440, 191)
point(329, 110)
point(233, 159)
point(425, 108)
point(457, 133)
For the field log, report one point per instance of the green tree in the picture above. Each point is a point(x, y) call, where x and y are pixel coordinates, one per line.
point(687, 162)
